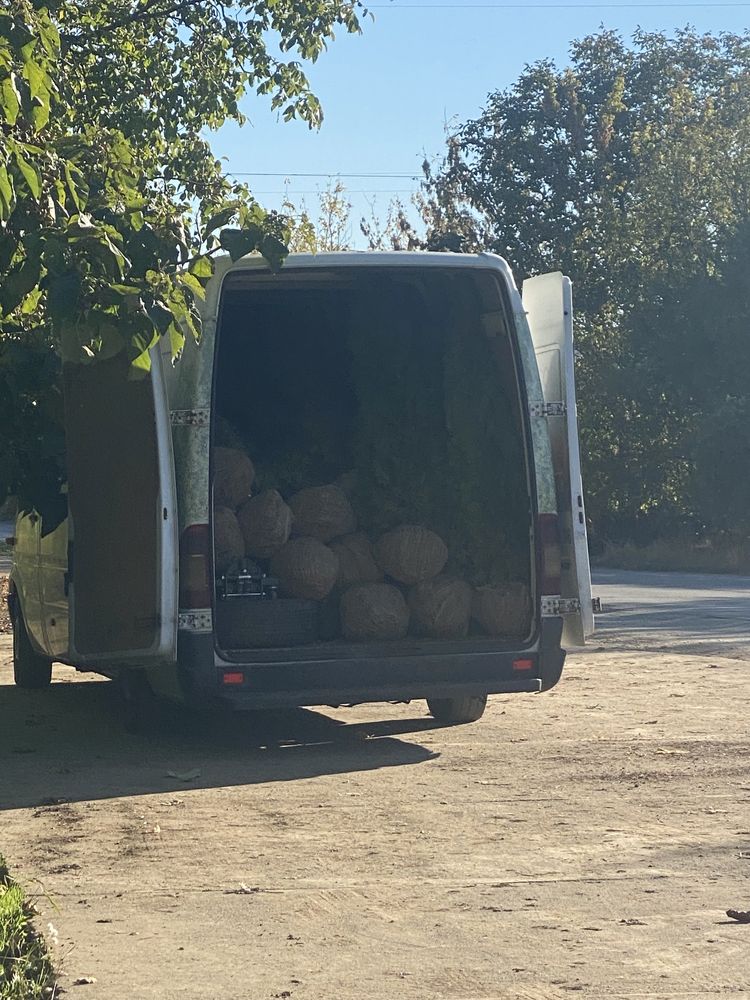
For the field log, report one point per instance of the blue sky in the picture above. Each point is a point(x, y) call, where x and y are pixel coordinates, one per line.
point(387, 94)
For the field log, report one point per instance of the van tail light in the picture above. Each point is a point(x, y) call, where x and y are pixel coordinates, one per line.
point(549, 545)
point(195, 567)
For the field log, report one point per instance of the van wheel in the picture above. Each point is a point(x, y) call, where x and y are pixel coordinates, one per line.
point(454, 711)
point(138, 705)
point(30, 669)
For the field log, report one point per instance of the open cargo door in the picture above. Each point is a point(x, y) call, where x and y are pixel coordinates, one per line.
point(123, 552)
point(548, 301)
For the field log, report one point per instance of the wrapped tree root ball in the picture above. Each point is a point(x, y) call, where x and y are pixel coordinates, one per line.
point(374, 611)
point(322, 512)
point(229, 545)
point(356, 561)
point(411, 554)
point(347, 482)
point(440, 608)
point(305, 568)
point(266, 524)
point(502, 610)
point(234, 476)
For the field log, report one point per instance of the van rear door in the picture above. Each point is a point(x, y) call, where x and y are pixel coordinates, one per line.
point(123, 515)
point(548, 301)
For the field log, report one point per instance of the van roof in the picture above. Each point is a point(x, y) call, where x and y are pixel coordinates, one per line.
point(371, 258)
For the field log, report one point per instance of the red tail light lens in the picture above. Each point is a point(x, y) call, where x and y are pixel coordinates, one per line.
point(195, 567)
point(523, 664)
point(549, 544)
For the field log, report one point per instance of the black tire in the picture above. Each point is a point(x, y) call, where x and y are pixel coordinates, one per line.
point(455, 711)
point(31, 670)
point(138, 705)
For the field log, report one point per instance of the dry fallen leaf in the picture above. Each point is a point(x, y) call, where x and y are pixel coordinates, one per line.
point(243, 890)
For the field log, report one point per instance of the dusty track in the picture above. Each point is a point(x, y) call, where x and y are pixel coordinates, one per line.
point(586, 841)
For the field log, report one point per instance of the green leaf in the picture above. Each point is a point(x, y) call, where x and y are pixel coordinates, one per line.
point(10, 99)
point(141, 364)
point(37, 80)
point(8, 247)
point(124, 290)
point(239, 242)
point(176, 340)
point(274, 251)
point(31, 303)
point(7, 194)
point(220, 218)
point(189, 279)
point(72, 188)
point(111, 341)
point(19, 282)
point(202, 267)
point(30, 174)
point(71, 340)
point(160, 315)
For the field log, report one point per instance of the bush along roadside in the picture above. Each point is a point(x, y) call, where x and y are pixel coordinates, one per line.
point(26, 971)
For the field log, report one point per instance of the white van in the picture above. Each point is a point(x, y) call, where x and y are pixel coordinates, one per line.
point(425, 388)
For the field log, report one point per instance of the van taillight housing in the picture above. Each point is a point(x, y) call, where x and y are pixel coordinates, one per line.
point(195, 567)
point(548, 533)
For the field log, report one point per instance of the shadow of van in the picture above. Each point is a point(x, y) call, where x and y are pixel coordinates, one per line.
point(68, 744)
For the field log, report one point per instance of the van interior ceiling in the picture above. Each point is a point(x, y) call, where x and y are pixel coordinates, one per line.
point(368, 460)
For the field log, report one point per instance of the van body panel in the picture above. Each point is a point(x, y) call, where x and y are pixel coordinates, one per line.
point(53, 580)
point(25, 575)
point(368, 676)
point(122, 520)
point(548, 301)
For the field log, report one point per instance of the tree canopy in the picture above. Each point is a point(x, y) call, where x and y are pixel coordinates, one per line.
point(629, 170)
point(112, 204)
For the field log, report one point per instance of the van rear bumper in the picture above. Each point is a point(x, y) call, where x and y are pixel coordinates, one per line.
point(366, 677)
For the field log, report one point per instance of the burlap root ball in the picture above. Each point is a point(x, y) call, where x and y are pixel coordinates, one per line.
point(229, 545)
point(234, 476)
point(322, 512)
point(347, 482)
point(502, 610)
point(356, 561)
point(411, 554)
point(374, 611)
point(305, 568)
point(440, 608)
point(266, 524)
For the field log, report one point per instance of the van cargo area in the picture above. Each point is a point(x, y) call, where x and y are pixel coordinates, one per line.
point(369, 460)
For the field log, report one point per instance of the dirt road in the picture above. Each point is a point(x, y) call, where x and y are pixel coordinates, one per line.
point(585, 842)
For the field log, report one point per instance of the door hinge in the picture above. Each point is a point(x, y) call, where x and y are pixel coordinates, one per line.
point(190, 418)
point(540, 409)
point(554, 606)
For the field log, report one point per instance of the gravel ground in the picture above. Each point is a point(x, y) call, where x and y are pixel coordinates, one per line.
point(584, 842)
point(5, 626)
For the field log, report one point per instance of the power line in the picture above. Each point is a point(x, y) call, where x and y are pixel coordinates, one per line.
point(336, 173)
point(549, 6)
point(345, 192)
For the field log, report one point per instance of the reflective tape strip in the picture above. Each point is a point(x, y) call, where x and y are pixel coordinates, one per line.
point(195, 621)
point(554, 606)
point(190, 418)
